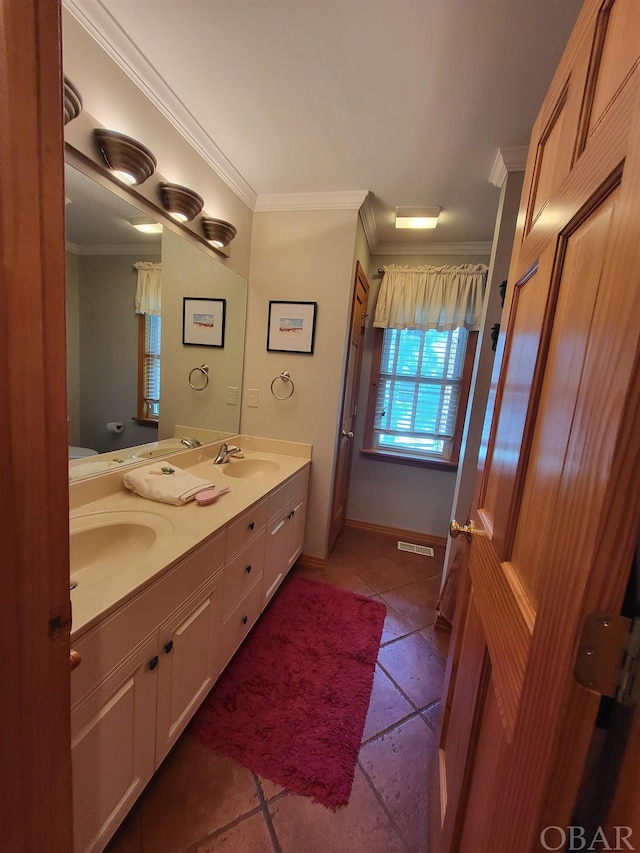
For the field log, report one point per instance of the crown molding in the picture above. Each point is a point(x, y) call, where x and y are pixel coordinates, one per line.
point(97, 21)
point(513, 159)
point(114, 249)
point(480, 248)
point(369, 224)
point(348, 200)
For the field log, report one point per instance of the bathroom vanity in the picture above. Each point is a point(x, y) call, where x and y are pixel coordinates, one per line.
point(157, 619)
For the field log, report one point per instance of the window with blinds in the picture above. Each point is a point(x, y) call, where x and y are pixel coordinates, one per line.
point(149, 402)
point(420, 393)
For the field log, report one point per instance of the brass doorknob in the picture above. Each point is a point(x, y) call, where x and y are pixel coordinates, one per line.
point(346, 434)
point(466, 530)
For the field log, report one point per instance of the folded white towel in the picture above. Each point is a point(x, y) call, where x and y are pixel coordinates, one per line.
point(177, 488)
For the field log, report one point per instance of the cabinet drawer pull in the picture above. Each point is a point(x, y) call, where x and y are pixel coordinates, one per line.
point(252, 524)
point(245, 619)
point(153, 663)
point(248, 569)
point(168, 646)
point(75, 659)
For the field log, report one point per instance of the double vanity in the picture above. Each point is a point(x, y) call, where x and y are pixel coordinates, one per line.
point(162, 597)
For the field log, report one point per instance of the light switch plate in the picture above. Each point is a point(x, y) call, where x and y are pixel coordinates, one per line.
point(232, 395)
point(252, 398)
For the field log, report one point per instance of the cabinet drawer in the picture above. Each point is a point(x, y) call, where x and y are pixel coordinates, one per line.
point(240, 621)
point(103, 647)
point(245, 527)
point(240, 573)
point(281, 497)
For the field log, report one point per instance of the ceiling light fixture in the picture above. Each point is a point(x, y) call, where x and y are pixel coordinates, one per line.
point(145, 224)
point(128, 159)
point(72, 101)
point(218, 232)
point(417, 217)
point(181, 203)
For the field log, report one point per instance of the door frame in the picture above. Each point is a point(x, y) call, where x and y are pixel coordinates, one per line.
point(35, 774)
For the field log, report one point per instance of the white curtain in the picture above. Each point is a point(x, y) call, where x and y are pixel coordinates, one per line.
point(426, 297)
point(148, 288)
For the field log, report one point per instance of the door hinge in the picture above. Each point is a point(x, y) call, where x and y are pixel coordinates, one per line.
point(608, 660)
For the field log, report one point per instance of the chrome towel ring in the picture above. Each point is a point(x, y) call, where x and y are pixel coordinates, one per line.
point(204, 370)
point(285, 377)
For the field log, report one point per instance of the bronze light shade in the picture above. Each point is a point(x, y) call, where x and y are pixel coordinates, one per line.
point(181, 202)
point(127, 158)
point(218, 232)
point(72, 101)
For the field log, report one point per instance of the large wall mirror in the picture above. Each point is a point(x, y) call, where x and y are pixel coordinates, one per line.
point(103, 328)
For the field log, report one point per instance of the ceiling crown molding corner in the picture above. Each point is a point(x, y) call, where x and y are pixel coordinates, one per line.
point(477, 248)
point(368, 219)
point(103, 29)
point(513, 159)
point(348, 200)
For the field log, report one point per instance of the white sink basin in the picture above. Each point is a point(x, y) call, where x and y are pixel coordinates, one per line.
point(245, 468)
point(158, 448)
point(104, 544)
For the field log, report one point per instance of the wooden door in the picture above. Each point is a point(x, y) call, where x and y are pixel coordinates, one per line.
point(35, 756)
point(349, 405)
point(558, 494)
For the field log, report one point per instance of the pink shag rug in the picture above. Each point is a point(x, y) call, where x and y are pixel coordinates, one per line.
point(291, 705)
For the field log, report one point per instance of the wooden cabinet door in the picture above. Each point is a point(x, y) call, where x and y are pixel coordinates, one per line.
point(276, 555)
point(558, 493)
point(296, 522)
point(189, 662)
point(113, 748)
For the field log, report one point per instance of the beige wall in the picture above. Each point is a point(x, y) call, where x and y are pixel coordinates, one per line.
point(301, 256)
point(389, 493)
point(187, 271)
point(115, 102)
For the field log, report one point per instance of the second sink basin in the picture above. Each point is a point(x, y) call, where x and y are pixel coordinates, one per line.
point(253, 467)
point(104, 544)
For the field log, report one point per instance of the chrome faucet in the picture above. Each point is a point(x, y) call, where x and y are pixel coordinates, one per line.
point(225, 453)
point(190, 442)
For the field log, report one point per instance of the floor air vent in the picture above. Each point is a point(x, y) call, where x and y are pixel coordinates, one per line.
point(416, 549)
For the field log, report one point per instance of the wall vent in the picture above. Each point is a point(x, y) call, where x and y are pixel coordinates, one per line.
point(416, 549)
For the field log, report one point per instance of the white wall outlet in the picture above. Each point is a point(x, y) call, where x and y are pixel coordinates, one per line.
point(232, 395)
point(252, 398)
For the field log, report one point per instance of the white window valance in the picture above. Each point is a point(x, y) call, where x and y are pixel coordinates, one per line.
point(148, 288)
point(427, 297)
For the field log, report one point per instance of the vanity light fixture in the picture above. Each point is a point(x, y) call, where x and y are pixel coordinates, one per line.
point(145, 224)
point(417, 217)
point(72, 101)
point(128, 159)
point(218, 232)
point(180, 202)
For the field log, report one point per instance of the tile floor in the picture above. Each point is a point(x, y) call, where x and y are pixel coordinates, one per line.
point(200, 802)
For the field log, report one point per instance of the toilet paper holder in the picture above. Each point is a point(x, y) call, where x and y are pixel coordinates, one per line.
point(115, 426)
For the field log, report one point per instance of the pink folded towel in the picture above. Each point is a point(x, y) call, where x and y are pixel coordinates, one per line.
point(162, 481)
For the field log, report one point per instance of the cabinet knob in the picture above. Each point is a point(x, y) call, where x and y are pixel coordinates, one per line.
point(248, 569)
point(245, 619)
point(168, 646)
point(153, 663)
point(252, 524)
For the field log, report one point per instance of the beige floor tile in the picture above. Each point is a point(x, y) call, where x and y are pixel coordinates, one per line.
point(386, 707)
point(195, 792)
point(362, 826)
point(249, 836)
point(398, 765)
point(394, 625)
point(415, 602)
point(416, 667)
point(439, 639)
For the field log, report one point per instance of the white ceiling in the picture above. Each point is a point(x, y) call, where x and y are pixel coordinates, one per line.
point(408, 99)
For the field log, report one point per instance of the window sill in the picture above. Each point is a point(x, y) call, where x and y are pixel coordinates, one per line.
point(405, 459)
point(150, 422)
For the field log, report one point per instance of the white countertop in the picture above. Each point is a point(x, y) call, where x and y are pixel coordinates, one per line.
point(190, 524)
